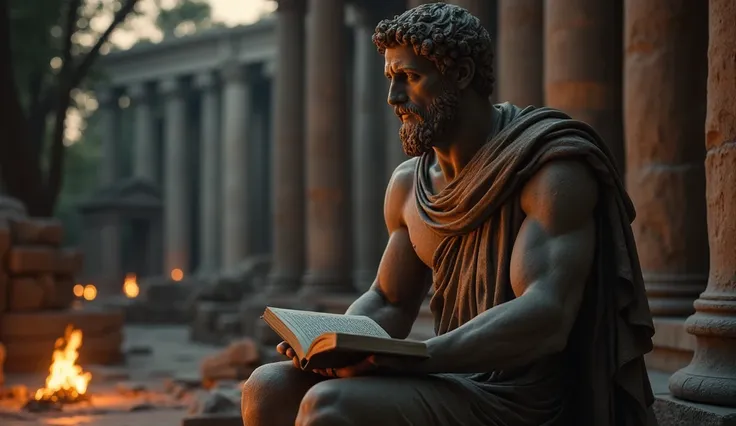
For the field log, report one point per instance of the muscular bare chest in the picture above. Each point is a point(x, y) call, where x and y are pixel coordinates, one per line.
point(423, 239)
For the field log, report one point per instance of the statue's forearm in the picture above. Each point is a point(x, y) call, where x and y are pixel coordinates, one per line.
point(508, 335)
point(393, 318)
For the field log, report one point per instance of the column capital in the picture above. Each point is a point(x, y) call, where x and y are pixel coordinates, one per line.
point(233, 72)
point(292, 5)
point(205, 80)
point(171, 87)
point(139, 93)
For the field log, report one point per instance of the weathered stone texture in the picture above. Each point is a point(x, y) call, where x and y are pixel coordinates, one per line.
point(26, 294)
point(34, 231)
point(31, 260)
point(664, 103)
point(711, 376)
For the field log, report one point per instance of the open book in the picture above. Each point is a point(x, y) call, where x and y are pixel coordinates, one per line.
point(323, 340)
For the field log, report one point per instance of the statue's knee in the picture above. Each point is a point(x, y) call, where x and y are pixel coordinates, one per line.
point(323, 404)
point(262, 389)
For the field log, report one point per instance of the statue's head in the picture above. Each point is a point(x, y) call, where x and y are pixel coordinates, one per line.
point(435, 54)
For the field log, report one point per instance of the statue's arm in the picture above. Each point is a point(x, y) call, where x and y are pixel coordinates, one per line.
point(550, 264)
point(401, 283)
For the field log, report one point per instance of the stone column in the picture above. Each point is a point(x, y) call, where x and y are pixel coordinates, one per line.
point(664, 102)
point(144, 148)
point(109, 111)
point(369, 153)
point(177, 224)
point(711, 376)
point(209, 190)
point(328, 195)
point(521, 52)
point(583, 65)
point(236, 117)
point(287, 187)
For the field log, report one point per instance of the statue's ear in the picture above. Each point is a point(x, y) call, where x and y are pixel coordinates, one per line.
point(465, 71)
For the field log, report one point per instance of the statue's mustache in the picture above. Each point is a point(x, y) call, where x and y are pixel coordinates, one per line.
point(400, 110)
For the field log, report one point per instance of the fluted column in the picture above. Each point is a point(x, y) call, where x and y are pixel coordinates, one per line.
point(583, 65)
point(328, 198)
point(521, 52)
point(144, 148)
point(369, 153)
point(109, 112)
point(664, 102)
point(711, 376)
point(177, 228)
point(209, 188)
point(236, 114)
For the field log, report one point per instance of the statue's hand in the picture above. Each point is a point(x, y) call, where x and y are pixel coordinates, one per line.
point(286, 350)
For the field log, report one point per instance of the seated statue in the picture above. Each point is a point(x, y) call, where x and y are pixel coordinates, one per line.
point(520, 218)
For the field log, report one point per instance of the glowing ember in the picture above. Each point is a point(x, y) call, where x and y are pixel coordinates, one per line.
point(177, 274)
point(130, 286)
point(89, 292)
point(66, 381)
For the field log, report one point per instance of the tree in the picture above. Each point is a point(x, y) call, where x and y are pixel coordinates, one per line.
point(47, 50)
point(185, 17)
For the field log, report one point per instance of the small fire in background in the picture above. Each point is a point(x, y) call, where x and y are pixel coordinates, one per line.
point(88, 292)
point(130, 286)
point(177, 274)
point(66, 382)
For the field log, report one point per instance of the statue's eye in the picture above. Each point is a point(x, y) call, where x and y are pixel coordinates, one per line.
point(412, 77)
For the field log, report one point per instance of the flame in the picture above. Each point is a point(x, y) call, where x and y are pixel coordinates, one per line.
point(177, 274)
point(89, 292)
point(66, 381)
point(79, 290)
point(130, 286)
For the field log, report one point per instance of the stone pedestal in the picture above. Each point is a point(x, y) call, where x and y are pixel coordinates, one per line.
point(210, 184)
point(145, 161)
point(236, 107)
point(328, 198)
point(369, 152)
point(521, 52)
point(582, 65)
point(177, 223)
point(711, 376)
point(664, 103)
point(287, 190)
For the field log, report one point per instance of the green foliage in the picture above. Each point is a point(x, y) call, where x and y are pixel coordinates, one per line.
point(185, 17)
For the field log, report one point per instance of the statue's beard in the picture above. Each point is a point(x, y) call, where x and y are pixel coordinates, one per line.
point(420, 136)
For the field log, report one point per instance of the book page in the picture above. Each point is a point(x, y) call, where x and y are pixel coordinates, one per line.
point(307, 326)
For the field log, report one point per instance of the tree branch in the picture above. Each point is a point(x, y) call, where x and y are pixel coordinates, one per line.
point(81, 71)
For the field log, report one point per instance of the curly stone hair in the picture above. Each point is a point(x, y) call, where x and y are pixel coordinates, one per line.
point(442, 33)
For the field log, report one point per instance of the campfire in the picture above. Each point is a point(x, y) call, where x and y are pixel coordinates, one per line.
point(66, 382)
point(130, 286)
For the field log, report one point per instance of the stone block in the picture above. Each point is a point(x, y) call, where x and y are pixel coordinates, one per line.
point(671, 411)
point(4, 291)
point(31, 260)
point(11, 208)
point(4, 238)
point(21, 326)
point(69, 261)
point(26, 294)
point(35, 231)
point(63, 294)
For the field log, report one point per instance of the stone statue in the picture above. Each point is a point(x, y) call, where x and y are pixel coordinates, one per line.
point(521, 215)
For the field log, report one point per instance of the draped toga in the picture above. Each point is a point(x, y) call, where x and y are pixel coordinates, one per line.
point(600, 379)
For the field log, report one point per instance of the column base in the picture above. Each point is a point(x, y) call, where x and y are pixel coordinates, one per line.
point(673, 412)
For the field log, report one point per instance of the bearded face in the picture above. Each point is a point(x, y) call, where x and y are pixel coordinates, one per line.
point(419, 132)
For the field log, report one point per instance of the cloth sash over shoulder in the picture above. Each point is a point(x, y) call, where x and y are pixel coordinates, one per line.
point(479, 216)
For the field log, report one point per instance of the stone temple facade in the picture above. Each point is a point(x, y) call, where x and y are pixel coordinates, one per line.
point(275, 138)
